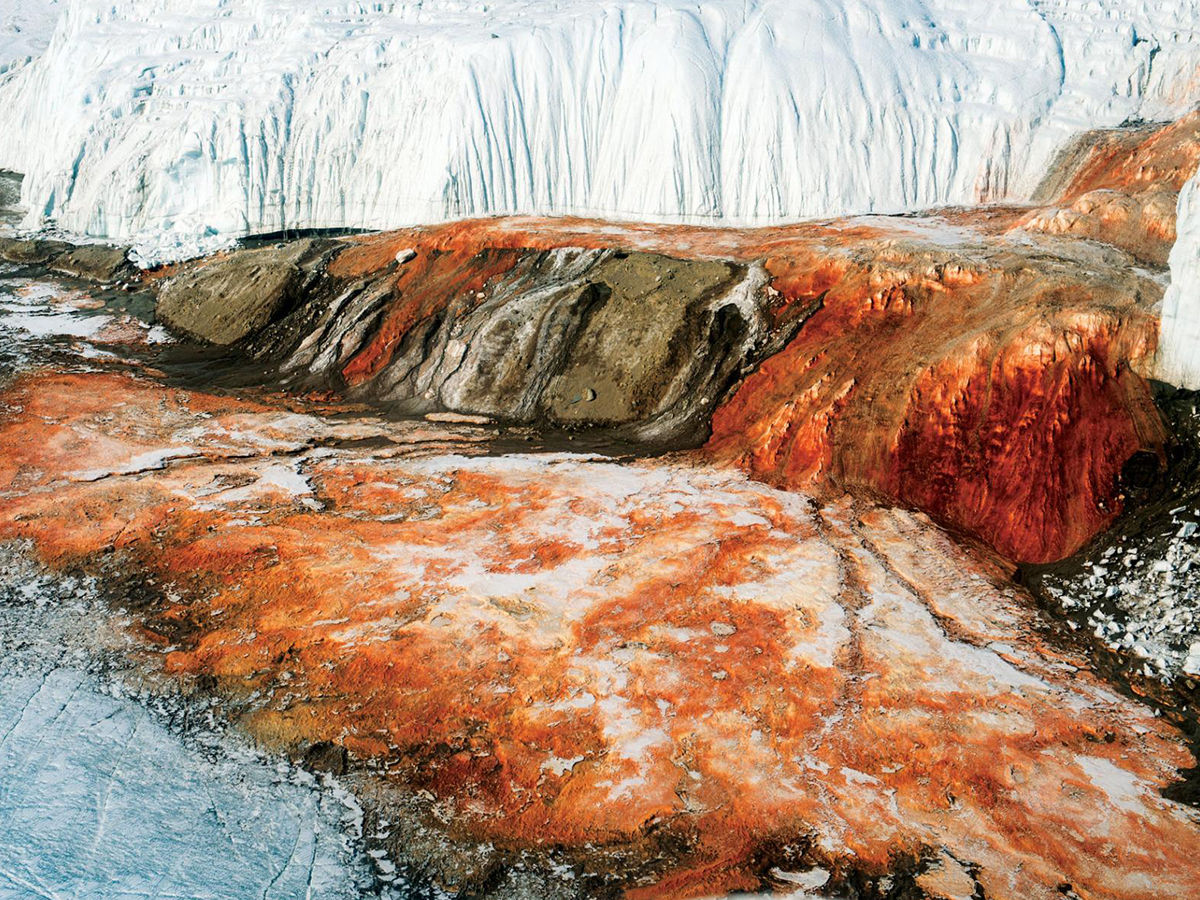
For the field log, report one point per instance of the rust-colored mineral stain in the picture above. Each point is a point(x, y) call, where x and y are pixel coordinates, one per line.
point(999, 400)
point(1124, 188)
point(424, 287)
point(1163, 160)
point(662, 659)
point(987, 381)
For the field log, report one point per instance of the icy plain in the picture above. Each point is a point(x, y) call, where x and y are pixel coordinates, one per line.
point(25, 29)
point(101, 799)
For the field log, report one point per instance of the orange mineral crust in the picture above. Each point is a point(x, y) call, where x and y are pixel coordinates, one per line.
point(690, 673)
point(974, 364)
point(978, 364)
point(1122, 187)
point(989, 382)
point(998, 398)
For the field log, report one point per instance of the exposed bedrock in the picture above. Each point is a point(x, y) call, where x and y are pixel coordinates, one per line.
point(640, 345)
point(91, 262)
point(230, 299)
point(985, 366)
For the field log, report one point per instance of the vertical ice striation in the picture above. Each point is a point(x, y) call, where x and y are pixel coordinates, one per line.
point(175, 122)
point(1179, 344)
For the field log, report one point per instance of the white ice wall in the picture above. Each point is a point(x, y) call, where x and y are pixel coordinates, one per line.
point(1179, 343)
point(169, 123)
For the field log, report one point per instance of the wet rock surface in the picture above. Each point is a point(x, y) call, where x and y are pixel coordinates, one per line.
point(94, 262)
point(225, 300)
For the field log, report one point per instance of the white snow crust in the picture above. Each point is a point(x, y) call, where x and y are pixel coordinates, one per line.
point(25, 29)
point(175, 124)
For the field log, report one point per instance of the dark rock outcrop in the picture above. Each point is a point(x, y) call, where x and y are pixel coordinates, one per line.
point(229, 298)
point(93, 262)
point(90, 262)
point(31, 252)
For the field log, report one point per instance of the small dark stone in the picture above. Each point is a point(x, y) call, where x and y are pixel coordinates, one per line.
point(325, 756)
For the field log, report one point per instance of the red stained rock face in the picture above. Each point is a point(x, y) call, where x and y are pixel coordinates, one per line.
point(684, 674)
point(994, 388)
point(997, 399)
point(1122, 187)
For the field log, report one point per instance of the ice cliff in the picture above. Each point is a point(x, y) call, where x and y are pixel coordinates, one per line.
point(168, 121)
point(1180, 341)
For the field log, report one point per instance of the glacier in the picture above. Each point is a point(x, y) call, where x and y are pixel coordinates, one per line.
point(168, 123)
point(1179, 353)
point(176, 126)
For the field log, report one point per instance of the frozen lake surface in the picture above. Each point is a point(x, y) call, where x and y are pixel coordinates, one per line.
point(100, 797)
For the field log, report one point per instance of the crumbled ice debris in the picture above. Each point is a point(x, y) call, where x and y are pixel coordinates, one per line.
point(1141, 595)
point(1191, 664)
point(812, 879)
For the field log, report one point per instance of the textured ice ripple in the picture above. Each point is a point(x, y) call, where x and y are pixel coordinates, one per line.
point(97, 800)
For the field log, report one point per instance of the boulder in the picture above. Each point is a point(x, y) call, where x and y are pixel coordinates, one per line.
point(93, 262)
point(228, 299)
point(31, 252)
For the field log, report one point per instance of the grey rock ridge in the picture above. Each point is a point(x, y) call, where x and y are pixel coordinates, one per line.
point(92, 262)
point(233, 296)
point(640, 345)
